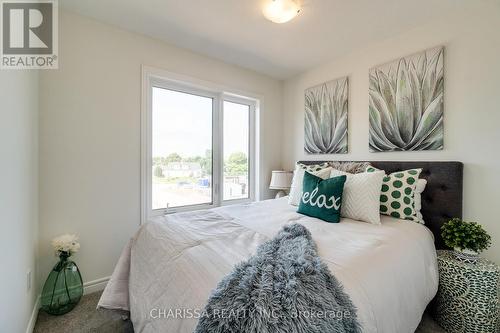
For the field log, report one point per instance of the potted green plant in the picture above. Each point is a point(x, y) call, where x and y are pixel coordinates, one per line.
point(467, 239)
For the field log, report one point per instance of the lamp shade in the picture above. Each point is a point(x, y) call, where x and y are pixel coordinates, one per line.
point(281, 180)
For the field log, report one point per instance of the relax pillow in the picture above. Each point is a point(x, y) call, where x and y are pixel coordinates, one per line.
point(361, 197)
point(321, 170)
point(398, 194)
point(322, 198)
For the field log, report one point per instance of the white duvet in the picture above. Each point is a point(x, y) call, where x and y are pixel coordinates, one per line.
point(167, 271)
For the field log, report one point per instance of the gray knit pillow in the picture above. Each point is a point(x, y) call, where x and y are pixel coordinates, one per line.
point(351, 167)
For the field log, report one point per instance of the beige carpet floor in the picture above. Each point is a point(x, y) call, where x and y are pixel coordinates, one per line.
point(85, 318)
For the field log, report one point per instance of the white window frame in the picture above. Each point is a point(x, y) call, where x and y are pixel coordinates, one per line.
point(152, 77)
point(251, 148)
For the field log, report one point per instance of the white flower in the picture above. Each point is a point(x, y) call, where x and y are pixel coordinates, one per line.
point(66, 243)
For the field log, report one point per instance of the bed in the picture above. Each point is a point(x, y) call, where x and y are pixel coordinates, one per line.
point(389, 271)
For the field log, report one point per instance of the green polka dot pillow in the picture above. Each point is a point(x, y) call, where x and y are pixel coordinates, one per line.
point(397, 198)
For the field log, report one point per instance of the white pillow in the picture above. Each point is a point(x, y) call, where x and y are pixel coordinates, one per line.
point(361, 197)
point(298, 179)
point(421, 183)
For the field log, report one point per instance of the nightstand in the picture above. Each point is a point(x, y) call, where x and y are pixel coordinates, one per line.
point(468, 295)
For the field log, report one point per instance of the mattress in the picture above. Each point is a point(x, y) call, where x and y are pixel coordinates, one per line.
point(165, 274)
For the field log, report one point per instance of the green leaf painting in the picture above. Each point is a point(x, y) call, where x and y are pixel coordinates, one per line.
point(325, 123)
point(406, 103)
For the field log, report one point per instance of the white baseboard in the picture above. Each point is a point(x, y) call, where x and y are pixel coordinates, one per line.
point(34, 315)
point(95, 285)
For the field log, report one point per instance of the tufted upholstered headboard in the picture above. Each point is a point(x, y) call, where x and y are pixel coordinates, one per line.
point(442, 198)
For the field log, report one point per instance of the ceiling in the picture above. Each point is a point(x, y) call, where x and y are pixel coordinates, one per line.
point(236, 32)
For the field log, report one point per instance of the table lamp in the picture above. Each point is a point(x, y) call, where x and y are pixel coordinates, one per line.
point(281, 181)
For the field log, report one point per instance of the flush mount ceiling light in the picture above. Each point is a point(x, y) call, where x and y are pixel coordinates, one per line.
point(280, 11)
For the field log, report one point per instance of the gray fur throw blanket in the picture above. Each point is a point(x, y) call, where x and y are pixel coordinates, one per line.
point(283, 288)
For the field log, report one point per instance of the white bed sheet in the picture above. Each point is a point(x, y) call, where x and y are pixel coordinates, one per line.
point(173, 262)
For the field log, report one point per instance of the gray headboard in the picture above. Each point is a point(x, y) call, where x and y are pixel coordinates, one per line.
point(442, 198)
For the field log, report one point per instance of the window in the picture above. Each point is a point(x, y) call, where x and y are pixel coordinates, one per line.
point(236, 150)
point(198, 146)
point(182, 149)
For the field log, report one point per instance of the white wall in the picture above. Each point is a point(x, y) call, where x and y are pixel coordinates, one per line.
point(90, 134)
point(472, 105)
point(18, 197)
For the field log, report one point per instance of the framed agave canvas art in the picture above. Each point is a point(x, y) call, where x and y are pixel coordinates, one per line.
point(406, 103)
point(325, 123)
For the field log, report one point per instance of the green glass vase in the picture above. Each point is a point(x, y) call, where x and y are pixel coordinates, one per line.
point(64, 287)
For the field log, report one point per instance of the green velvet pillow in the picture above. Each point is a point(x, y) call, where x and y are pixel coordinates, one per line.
point(322, 198)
